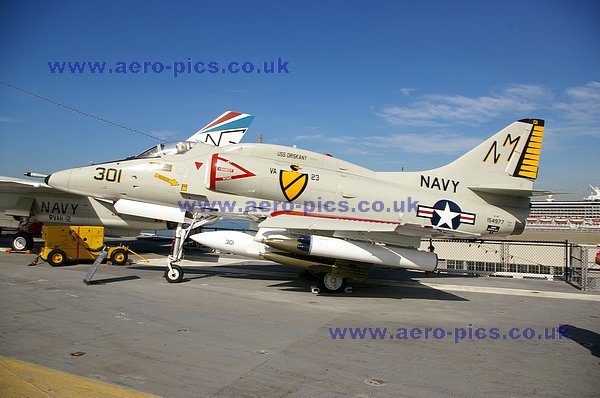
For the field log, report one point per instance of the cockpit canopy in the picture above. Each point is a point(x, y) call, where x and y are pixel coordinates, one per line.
point(169, 148)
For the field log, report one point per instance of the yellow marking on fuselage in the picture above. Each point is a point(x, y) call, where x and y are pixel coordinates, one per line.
point(171, 181)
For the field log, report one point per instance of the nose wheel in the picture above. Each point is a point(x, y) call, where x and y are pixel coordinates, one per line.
point(174, 274)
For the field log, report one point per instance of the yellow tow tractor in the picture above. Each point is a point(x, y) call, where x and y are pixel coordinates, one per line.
point(63, 244)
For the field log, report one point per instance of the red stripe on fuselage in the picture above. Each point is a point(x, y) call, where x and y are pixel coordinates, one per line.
point(299, 213)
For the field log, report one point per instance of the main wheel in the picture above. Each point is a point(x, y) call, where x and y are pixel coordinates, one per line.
point(119, 257)
point(174, 276)
point(57, 257)
point(331, 283)
point(22, 241)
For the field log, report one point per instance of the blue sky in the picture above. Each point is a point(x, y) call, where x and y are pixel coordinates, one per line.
point(388, 85)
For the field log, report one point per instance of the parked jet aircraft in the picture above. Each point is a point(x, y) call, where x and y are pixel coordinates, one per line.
point(26, 204)
point(318, 212)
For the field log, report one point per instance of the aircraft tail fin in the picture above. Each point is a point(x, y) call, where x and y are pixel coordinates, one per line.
point(507, 161)
point(229, 128)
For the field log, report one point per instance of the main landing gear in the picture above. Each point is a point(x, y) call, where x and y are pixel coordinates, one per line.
point(173, 272)
point(330, 283)
point(22, 241)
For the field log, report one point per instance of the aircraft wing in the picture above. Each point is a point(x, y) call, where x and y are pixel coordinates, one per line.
point(23, 191)
point(312, 223)
point(19, 185)
point(399, 233)
point(229, 128)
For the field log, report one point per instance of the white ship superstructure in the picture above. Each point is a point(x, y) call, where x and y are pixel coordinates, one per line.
point(583, 215)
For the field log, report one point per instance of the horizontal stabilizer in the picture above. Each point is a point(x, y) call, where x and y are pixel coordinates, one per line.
point(512, 191)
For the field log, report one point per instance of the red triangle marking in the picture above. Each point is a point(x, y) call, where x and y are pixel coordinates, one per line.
point(198, 165)
point(217, 165)
point(245, 173)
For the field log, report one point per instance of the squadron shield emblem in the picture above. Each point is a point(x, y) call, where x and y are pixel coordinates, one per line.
point(292, 184)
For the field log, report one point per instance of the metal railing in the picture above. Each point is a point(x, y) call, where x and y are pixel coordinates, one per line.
point(573, 263)
point(519, 259)
point(582, 270)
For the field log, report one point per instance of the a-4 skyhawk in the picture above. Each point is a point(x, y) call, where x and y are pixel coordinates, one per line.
point(321, 213)
point(26, 204)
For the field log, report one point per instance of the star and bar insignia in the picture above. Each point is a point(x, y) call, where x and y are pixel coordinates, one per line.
point(446, 214)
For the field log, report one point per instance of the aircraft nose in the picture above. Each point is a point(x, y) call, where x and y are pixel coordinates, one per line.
point(59, 180)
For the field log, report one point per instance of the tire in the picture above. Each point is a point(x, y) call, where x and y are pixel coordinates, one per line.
point(57, 258)
point(22, 241)
point(119, 257)
point(176, 276)
point(330, 283)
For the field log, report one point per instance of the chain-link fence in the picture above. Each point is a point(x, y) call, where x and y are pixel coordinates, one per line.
point(518, 259)
point(583, 270)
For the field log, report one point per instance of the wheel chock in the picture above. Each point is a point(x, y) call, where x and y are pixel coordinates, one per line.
point(18, 251)
point(90, 274)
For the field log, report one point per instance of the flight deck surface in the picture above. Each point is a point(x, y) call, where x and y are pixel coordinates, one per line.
point(249, 328)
